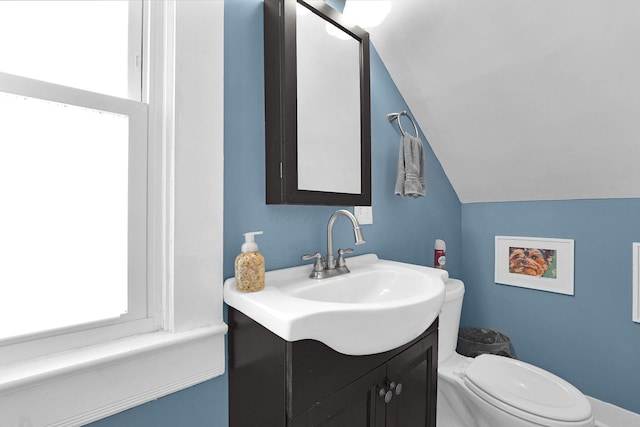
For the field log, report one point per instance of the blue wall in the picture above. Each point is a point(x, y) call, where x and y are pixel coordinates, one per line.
point(589, 338)
point(203, 405)
point(403, 229)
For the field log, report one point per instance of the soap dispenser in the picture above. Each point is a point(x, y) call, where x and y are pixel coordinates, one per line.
point(250, 265)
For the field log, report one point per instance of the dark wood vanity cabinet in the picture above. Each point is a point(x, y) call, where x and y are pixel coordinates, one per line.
point(276, 383)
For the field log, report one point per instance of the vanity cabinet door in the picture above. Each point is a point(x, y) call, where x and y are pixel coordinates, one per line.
point(409, 380)
point(275, 383)
point(412, 375)
point(357, 405)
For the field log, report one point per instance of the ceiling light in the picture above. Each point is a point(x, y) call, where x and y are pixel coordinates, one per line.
point(366, 13)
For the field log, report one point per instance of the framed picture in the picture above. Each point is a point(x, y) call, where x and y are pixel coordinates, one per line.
point(636, 282)
point(536, 263)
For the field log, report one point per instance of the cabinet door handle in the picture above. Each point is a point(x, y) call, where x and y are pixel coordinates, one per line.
point(387, 394)
point(398, 389)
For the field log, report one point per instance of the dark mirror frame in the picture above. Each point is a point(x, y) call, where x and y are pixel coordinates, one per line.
point(281, 107)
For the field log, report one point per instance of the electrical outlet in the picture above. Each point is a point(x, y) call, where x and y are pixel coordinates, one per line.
point(364, 214)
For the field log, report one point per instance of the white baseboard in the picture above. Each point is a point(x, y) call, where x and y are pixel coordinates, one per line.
point(608, 415)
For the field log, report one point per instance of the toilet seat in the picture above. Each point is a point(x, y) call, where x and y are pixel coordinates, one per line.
point(525, 390)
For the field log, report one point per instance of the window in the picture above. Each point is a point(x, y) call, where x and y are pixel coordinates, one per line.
point(73, 175)
point(64, 183)
point(94, 45)
point(172, 334)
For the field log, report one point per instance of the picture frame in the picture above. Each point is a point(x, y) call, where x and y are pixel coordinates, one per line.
point(537, 263)
point(636, 283)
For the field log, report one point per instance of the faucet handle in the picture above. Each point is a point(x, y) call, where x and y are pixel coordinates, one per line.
point(318, 266)
point(341, 252)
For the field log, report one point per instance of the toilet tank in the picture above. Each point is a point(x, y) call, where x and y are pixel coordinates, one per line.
point(450, 319)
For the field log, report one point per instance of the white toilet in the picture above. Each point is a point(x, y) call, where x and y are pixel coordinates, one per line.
point(496, 391)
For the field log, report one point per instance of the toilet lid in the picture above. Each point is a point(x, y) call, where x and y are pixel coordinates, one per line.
point(527, 388)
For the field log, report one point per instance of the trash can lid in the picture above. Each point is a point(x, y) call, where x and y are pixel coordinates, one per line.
point(527, 388)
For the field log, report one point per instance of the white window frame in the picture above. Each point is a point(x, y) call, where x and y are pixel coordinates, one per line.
point(141, 316)
point(80, 386)
point(138, 319)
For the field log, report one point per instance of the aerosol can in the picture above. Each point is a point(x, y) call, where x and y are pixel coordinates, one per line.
point(439, 254)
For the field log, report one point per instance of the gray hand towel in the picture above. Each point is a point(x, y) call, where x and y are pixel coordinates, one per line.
point(410, 177)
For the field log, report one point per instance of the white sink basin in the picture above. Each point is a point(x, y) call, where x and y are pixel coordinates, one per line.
point(374, 285)
point(377, 307)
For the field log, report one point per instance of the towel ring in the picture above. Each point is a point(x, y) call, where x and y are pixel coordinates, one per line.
point(396, 116)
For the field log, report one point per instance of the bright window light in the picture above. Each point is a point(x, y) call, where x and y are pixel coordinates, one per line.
point(63, 222)
point(82, 44)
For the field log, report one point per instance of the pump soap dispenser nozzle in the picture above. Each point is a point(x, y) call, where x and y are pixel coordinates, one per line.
point(250, 244)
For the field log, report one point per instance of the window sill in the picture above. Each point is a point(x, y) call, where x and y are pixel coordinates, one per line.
point(80, 386)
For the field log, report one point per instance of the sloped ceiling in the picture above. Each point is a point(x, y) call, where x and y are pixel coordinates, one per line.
point(522, 99)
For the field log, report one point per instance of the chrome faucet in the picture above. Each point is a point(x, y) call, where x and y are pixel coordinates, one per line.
point(357, 235)
point(330, 267)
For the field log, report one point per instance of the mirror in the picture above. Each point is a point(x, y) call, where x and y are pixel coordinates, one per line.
point(317, 106)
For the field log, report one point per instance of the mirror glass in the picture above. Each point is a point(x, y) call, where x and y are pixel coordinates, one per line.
point(328, 101)
point(317, 106)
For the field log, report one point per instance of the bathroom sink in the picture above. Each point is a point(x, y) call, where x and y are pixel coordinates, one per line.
point(374, 285)
point(379, 306)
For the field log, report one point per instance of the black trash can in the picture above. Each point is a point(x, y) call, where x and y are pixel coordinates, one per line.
point(473, 342)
